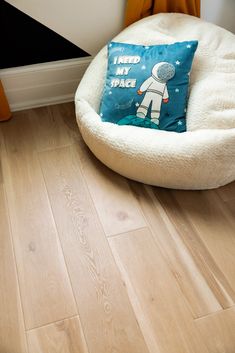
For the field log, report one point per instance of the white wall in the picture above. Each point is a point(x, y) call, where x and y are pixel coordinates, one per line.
point(86, 23)
point(91, 23)
point(220, 12)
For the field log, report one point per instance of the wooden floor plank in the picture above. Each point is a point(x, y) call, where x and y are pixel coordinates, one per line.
point(43, 278)
point(114, 201)
point(165, 310)
point(172, 255)
point(183, 258)
point(60, 337)
point(208, 216)
point(218, 331)
point(53, 126)
point(117, 208)
point(193, 238)
point(230, 205)
point(106, 314)
point(12, 336)
point(227, 192)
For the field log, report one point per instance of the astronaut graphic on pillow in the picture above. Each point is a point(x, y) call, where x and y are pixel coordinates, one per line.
point(155, 88)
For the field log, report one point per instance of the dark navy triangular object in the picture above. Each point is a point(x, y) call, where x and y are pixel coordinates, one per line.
point(25, 41)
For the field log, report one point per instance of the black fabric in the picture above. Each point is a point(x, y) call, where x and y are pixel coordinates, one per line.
point(25, 41)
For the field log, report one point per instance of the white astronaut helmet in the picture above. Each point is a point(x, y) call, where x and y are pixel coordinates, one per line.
point(163, 71)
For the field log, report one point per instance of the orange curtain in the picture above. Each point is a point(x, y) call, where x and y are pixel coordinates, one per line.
point(5, 113)
point(137, 9)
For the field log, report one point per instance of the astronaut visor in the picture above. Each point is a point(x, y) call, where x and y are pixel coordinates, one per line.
point(166, 72)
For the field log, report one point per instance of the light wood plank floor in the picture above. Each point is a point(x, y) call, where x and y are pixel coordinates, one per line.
point(91, 262)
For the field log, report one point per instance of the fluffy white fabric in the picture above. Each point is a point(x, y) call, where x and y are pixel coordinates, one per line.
point(201, 158)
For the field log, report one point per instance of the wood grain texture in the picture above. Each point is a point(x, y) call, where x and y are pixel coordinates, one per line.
point(118, 210)
point(230, 205)
point(1, 173)
point(166, 285)
point(215, 228)
point(218, 331)
point(65, 336)
point(43, 278)
point(165, 310)
point(106, 314)
point(177, 243)
point(227, 192)
point(53, 126)
point(116, 206)
point(12, 336)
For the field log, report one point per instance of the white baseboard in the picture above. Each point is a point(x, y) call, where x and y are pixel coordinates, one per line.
point(43, 84)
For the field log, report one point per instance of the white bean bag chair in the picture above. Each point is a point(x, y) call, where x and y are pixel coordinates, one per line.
point(201, 158)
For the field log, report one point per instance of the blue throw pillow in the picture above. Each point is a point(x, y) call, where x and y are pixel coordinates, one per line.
point(147, 86)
